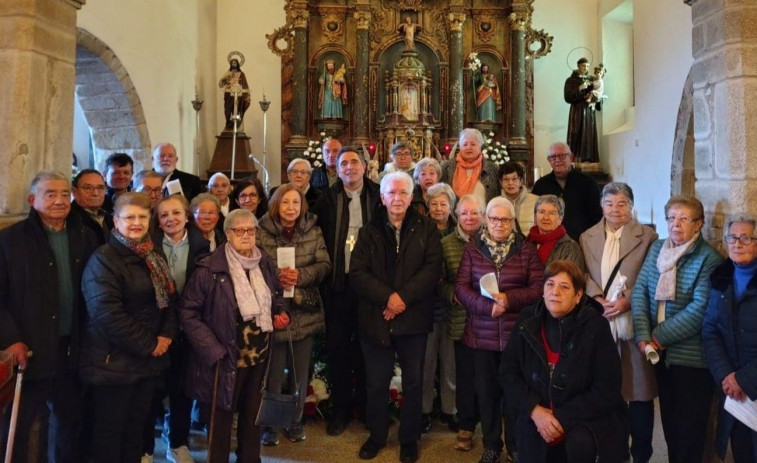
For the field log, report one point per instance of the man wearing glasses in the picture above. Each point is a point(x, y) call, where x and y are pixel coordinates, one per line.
point(88, 190)
point(579, 191)
point(402, 160)
point(150, 183)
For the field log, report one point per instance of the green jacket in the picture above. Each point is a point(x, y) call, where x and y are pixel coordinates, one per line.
point(680, 333)
point(452, 249)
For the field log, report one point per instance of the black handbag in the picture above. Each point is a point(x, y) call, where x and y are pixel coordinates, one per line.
point(307, 299)
point(276, 409)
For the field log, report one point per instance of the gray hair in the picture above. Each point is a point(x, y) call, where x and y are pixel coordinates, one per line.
point(296, 161)
point(45, 175)
point(470, 198)
point(402, 145)
point(617, 188)
point(471, 133)
point(392, 176)
point(739, 217)
point(561, 145)
point(238, 215)
point(426, 162)
point(201, 198)
point(559, 203)
point(213, 178)
point(500, 201)
point(438, 190)
point(143, 174)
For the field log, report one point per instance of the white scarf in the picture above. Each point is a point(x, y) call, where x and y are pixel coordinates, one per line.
point(666, 265)
point(253, 295)
point(621, 326)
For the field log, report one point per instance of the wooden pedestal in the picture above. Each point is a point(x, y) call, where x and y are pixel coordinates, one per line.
point(243, 167)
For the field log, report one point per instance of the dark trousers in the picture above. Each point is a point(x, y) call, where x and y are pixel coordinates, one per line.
point(641, 427)
point(579, 446)
point(247, 402)
point(465, 392)
point(410, 351)
point(49, 417)
point(118, 416)
point(346, 365)
point(743, 443)
point(492, 405)
point(685, 396)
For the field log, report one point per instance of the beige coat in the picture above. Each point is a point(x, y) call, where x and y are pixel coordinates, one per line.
point(638, 375)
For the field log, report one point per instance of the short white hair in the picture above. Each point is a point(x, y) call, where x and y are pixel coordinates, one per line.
point(296, 161)
point(500, 201)
point(471, 133)
point(427, 162)
point(392, 176)
point(473, 199)
point(213, 178)
point(441, 189)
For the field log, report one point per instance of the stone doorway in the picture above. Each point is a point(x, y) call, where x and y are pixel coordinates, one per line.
point(682, 169)
point(110, 103)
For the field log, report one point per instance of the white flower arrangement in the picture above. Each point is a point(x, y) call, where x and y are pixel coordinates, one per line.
point(494, 151)
point(314, 152)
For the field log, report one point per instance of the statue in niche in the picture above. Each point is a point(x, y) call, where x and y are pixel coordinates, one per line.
point(409, 102)
point(333, 93)
point(488, 97)
point(582, 122)
point(409, 30)
point(234, 85)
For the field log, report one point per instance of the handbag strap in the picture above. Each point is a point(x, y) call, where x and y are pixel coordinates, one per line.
point(272, 343)
point(612, 276)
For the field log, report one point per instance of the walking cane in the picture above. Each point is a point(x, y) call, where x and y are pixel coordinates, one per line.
point(14, 412)
point(212, 412)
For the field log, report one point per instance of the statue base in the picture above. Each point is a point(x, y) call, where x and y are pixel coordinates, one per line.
point(486, 126)
point(243, 166)
point(333, 128)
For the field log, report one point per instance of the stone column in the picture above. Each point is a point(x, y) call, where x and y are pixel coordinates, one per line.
point(300, 19)
point(724, 74)
point(456, 102)
point(37, 58)
point(361, 92)
point(517, 143)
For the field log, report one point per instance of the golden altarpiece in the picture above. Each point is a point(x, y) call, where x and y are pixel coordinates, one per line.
point(374, 72)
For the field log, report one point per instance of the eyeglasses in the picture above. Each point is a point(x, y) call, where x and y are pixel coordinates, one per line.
point(402, 154)
point(247, 197)
point(150, 191)
point(500, 220)
point(240, 232)
point(547, 213)
point(206, 213)
point(92, 188)
point(682, 219)
point(396, 194)
point(298, 172)
point(743, 239)
point(135, 218)
point(557, 157)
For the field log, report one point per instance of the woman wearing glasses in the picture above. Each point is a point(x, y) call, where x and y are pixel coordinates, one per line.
point(251, 195)
point(668, 304)
point(513, 263)
point(228, 311)
point(728, 335)
point(550, 237)
point(206, 210)
point(130, 325)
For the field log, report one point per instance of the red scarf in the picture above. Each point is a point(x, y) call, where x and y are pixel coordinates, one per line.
point(546, 241)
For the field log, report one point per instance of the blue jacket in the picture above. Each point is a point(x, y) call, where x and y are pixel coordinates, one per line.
point(681, 332)
point(729, 335)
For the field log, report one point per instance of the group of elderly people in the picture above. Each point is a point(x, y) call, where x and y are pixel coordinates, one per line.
point(564, 343)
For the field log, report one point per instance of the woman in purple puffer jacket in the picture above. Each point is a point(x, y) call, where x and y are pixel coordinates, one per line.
point(500, 250)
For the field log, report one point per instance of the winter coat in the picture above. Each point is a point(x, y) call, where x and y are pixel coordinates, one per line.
point(452, 249)
point(681, 332)
point(29, 291)
point(520, 278)
point(489, 176)
point(209, 314)
point(312, 261)
point(581, 196)
point(123, 318)
point(379, 267)
point(583, 388)
point(101, 232)
point(729, 336)
point(567, 249)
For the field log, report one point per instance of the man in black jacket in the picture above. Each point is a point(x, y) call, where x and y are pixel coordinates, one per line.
point(88, 190)
point(164, 159)
point(326, 175)
point(41, 310)
point(395, 269)
point(341, 211)
point(579, 191)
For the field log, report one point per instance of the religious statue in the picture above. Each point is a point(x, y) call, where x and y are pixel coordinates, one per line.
point(333, 92)
point(582, 122)
point(409, 30)
point(235, 90)
point(488, 98)
point(596, 96)
point(409, 102)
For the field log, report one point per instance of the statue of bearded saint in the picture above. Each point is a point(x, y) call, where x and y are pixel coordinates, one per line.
point(234, 81)
point(333, 92)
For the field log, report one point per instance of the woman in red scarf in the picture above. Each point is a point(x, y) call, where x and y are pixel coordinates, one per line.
point(469, 172)
point(549, 236)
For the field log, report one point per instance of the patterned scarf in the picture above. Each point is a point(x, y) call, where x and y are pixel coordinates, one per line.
point(666, 264)
point(462, 182)
point(253, 295)
point(160, 274)
point(498, 250)
point(546, 241)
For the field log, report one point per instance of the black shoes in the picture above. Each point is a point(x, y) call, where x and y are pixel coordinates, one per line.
point(409, 452)
point(451, 421)
point(335, 427)
point(426, 421)
point(370, 449)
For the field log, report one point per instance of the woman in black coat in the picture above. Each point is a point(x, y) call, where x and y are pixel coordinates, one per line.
point(562, 369)
point(129, 292)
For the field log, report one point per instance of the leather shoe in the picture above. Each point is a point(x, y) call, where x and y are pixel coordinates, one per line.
point(426, 422)
point(452, 422)
point(409, 452)
point(335, 427)
point(369, 450)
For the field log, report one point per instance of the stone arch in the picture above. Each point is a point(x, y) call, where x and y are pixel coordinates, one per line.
point(682, 169)
point(110, 103)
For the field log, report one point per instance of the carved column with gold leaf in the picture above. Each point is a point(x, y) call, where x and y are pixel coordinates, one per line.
point(518, 144)
point(300, 18)
point(362, 60)
point(456, 101)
